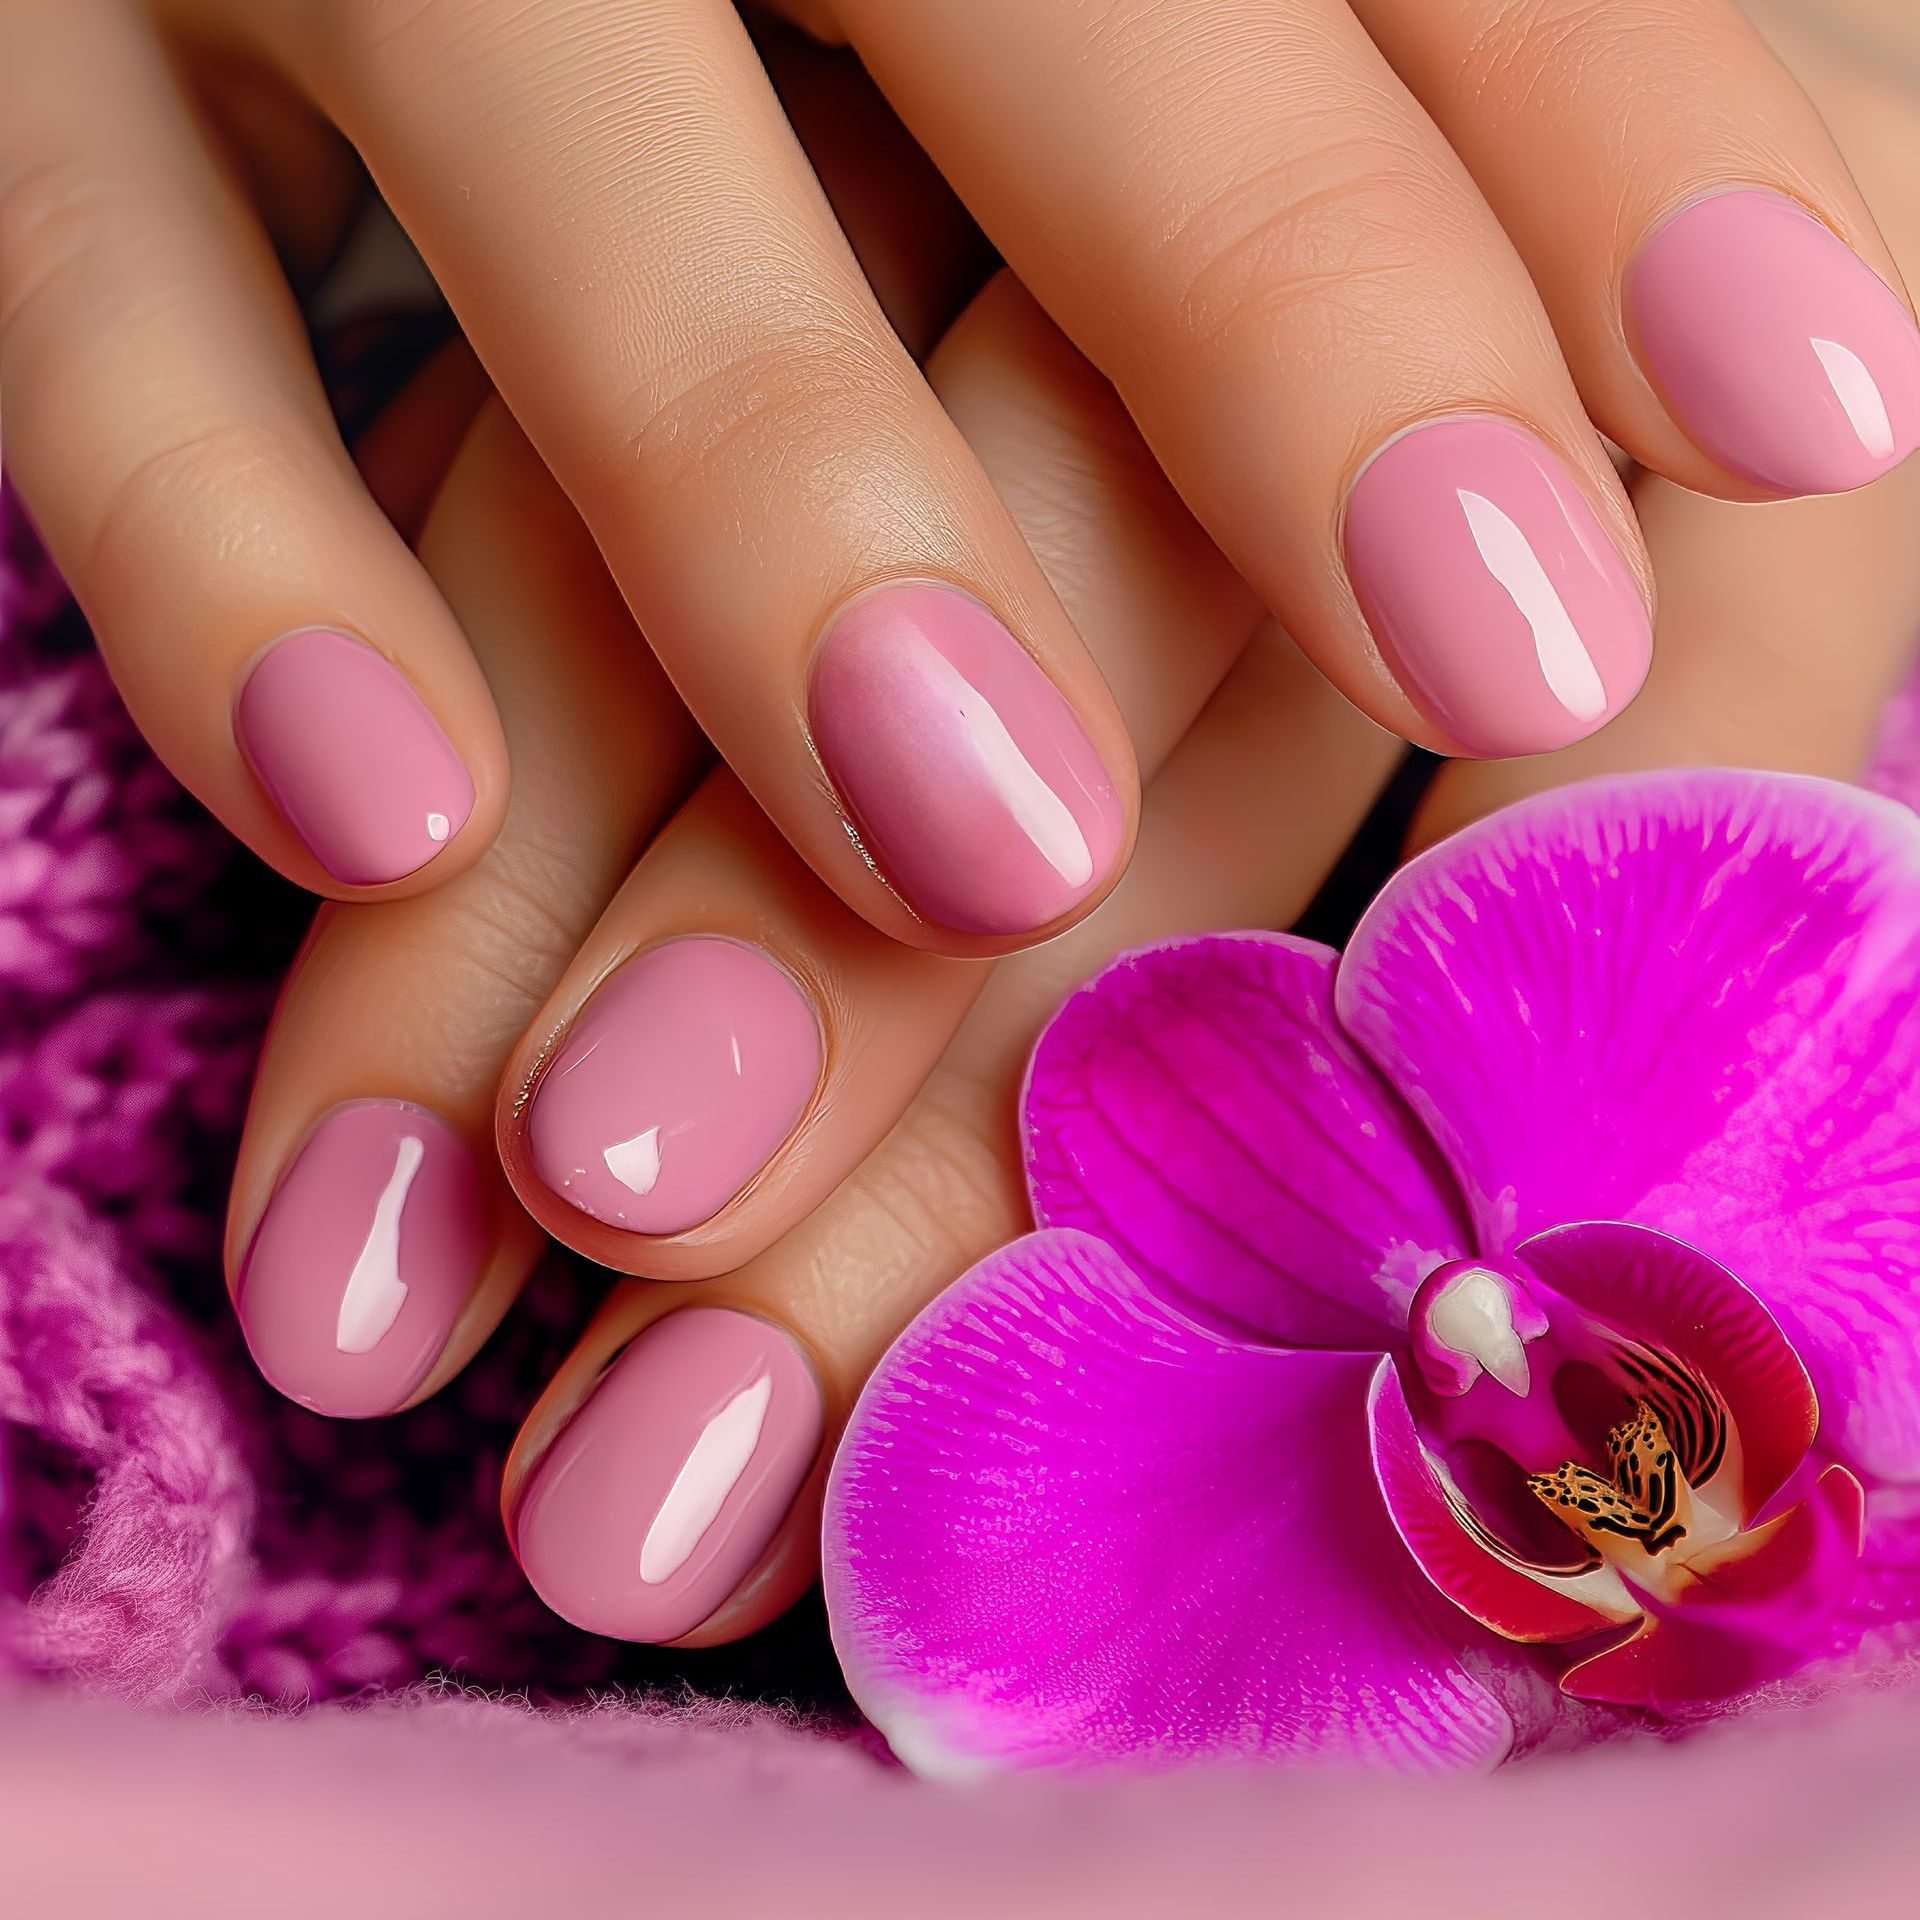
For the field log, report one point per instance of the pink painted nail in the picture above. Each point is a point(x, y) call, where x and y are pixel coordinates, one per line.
point(667, 1486)
point(351, 756)
point(1497, 600)
point(675, 1084)
point(970, 779)
point(370, 1248)
point(1777, 348)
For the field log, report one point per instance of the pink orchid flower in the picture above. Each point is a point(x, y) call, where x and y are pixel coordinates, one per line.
point(1530, 1294)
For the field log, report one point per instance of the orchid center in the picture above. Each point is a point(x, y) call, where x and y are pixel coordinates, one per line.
point(1615, 1451)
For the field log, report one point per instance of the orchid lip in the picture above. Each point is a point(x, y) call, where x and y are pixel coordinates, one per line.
point(1605, 1430)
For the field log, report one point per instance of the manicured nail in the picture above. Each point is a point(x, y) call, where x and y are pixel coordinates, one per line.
point(969, 778)
point(352, 757)
point(1498, 602)
point(1776, 347)
point(666, 1487)
point(675, 1083)
point(370, 1248)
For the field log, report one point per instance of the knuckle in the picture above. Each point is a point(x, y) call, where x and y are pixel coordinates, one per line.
point(771, 410)
point(229, 472)
point(1313, 242)
point(50, 215)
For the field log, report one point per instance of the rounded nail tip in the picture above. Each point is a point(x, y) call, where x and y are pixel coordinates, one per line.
point(1026, 910)
point(1527, 736)
point(655, 1626)
point(332, 1400)
point(1818, 475)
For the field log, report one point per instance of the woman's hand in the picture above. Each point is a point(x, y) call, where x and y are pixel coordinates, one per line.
point(448, 1019)
point(1322, 250)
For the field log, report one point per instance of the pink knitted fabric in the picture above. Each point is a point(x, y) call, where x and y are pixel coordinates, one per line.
point(169, 1528)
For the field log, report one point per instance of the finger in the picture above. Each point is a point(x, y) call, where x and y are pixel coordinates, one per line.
point(730, 1040)
point(1246, 223)
point(273, 637)
point(372, 1241)
point(667, 1485)
point(1727, 305)
point(1784, 629)
point(802, 533)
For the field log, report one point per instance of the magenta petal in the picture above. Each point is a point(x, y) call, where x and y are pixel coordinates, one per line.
point(1198, 1107)
point(1688, 1000)
point(1491, 1589)
point(1759, 1609)
point(1066, 1524)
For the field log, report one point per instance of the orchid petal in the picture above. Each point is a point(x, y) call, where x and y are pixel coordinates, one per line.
point(1479, 1582)
point(1691, 1001)
point(1757, 1609)
point(1198, 1107)
point(1066, 1523)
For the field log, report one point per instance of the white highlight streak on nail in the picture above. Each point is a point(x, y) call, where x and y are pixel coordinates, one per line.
point(1859, 393)
point(1565, 664)
point(375, 1292)
point(635, 1163)
point(1042, 815)
point(438, 826)
point(719, 1457)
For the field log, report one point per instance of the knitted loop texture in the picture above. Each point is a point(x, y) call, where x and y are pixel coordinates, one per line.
point(170, 1530)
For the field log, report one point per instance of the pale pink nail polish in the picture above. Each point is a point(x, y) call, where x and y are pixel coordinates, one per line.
point(661, 1493)
point(369, 1249)
point(1497, 599)
point(972, 784)
point(350, 754)
point(675, 1083)
point(1775, 346)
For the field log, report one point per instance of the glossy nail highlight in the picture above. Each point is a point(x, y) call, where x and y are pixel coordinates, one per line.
point(661, 1493)
point(369, 1249)
point(1775, 346)
point(972, 783)
point(1497, 599)
point(674, 1085)
point(350, 754)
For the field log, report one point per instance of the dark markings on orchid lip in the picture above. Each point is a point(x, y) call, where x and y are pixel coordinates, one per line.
point(1641, 1498)
point(1689, 1409)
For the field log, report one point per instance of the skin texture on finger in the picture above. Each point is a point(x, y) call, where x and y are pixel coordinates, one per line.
point(1732, 315)
point(622, 219)
point(373, 1242)
point(1246, 223)
point(1275, 743)
point(673, 1118)
point(274, 639)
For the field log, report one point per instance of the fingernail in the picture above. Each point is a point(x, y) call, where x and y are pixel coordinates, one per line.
point(350, 754)
point(1497, 599)
point(667, 1486)
point(1775, 346)
point(970, 780)
point(675, 1083)
point(369, 1249)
